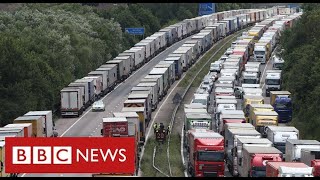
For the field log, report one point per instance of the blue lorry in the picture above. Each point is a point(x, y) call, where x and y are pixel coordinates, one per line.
point(282, 104)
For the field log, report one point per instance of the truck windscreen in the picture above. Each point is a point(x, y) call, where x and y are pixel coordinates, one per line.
point(202, 101)
point(215, 156)
point(259, 52)
point(278, 65)
point(286, 105)
point(249, 81)
point(273, 81)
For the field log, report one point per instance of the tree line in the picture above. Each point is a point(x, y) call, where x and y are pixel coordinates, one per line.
point(44, 47)
point(301, 73)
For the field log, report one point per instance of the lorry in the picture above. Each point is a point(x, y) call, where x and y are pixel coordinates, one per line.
point(260, 52)
point(112, 75)
point(282, 103)
point(226, 104)
point(158, 79)
point(206, 153)
point(253, 161)
point(154, 89)
point(118, 127)
point(246, 142)
point(278, 135)
point(273, 81)
point(177, 66)
point(172, 72)
point(311, 158)
point(164, 76)
point(97, 83)
point(278, 63)
point(145, 95)
point(247, 100)
point(141, 111)
point(288, 169)
point(90, 86)
point(27, 128)
point(104, 80)
point(133, 123)
point(294, 146)
point(228, 118)
point(198, 121)
point(85, 91)
point(261, 119)
point(204, 99)
point(71, 101)
point(231, 136)
point(36, 121)
point(47, 124)
point(250, 77)
point(257, 107)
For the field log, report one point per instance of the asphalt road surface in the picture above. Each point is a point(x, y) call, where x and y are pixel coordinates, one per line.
point(90, 123)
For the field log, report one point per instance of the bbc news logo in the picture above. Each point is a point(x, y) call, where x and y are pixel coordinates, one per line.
point(70, 155)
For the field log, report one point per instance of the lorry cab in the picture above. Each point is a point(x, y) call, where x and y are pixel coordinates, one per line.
point(198, 121)
point(278, 63)
point(282, 103)
point(260, 52)
point(204, 99)
point(273, 81)
point(206, 153)
point(250, 77)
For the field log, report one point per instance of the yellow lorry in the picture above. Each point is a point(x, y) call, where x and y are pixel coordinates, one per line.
point(142, 113)
point(249, 99)
point(258, 107)
point(261, 119)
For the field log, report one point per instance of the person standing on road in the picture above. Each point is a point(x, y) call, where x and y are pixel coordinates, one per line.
point(168, 129)
point(155, 127)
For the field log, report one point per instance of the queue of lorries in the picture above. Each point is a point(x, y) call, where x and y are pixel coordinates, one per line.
point(146, 95)
point(248, 139)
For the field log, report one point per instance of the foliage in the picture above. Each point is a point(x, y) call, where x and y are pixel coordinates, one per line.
point(301, 70)
point(43, 48)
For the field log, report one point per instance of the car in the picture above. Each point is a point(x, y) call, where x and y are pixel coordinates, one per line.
point(215, 67)
point(98, 106)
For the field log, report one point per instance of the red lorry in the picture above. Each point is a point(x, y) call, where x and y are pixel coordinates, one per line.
point(287, 169)
point(252, 162)
point(206, 153)
point(118, 127)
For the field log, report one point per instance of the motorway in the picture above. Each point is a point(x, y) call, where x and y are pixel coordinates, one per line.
point(90, 123)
